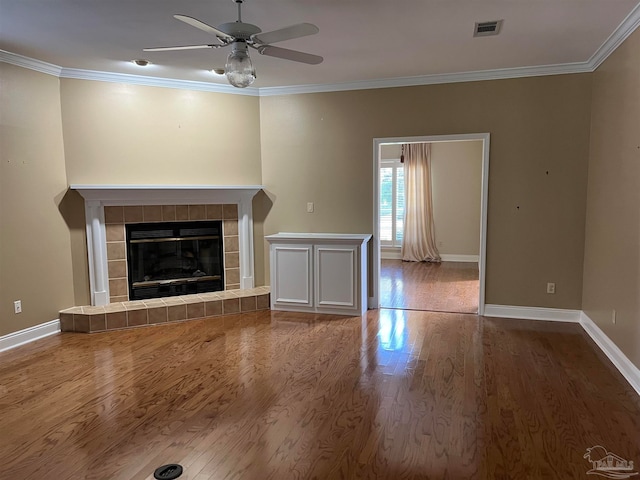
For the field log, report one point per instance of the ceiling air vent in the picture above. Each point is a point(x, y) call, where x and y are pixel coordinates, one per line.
point(484, 29)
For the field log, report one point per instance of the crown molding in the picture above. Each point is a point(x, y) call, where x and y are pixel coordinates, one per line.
point(75, 73)
point(626, 28)
point(155, 81)
point(619, 35)
point(30, 63)
point(497, 74)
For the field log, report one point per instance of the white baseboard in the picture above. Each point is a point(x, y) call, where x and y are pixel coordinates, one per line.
point(532, 313)
point(390, 254)
point(625, 366)
point(28, 335)
point(395, 254)
point(446, 257)
point(610, 349)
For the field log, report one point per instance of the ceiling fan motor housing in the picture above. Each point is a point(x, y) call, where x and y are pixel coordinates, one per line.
point(242, 31)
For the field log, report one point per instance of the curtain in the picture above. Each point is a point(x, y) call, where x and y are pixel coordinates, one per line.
point(419, 239)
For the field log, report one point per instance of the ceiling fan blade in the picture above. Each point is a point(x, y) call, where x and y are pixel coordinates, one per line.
point(194, 22)
point(287, 33)
point(287, 54)
point(181, 47)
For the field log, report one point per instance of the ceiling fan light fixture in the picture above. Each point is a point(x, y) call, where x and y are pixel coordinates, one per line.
point(239, 69)
point(239, 36)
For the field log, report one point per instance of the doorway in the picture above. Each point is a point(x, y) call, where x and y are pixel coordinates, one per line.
point(398, 284)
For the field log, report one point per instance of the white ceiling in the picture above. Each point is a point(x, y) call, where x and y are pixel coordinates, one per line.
point(359, 40)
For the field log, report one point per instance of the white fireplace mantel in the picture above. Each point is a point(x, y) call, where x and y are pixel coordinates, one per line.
point(96, 197)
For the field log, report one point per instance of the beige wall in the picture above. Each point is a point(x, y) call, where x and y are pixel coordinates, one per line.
point(35, 245)
point(128, 134)
point(391, 151)
point(612, 248)
point(456, 178)
point(318, 148)
point(315, 147)
point(116, 133)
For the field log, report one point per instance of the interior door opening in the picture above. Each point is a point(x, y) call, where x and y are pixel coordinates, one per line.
point(459, 181)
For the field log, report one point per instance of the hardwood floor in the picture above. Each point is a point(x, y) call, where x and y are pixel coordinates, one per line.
point(437, 287)
point(395, 394)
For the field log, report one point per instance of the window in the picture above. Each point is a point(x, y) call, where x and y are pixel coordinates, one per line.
point(391, 202)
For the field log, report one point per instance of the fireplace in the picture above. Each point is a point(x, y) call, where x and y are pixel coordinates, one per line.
point(148, 218)
point(174, 258)
point(109, 208)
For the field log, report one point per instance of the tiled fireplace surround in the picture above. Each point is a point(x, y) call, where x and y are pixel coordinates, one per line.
point(116, 217)
point(109, 208)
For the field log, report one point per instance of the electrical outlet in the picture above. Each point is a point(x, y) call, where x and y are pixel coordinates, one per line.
point(310, 207)
point(551, 287)
point(17, 306)
point(613, 316)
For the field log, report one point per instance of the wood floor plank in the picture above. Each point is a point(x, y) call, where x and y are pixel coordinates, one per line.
point(270, 395)
point(437, 287)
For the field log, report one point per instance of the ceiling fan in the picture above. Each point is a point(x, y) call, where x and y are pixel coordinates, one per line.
point(239, 69)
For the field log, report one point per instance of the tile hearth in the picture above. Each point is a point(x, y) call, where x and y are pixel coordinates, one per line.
point(155, 311)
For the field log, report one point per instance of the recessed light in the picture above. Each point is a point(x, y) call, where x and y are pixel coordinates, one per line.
point(141, 62)
point(217, 71)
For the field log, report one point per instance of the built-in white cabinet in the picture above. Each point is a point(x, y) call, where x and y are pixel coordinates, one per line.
point(319, 272)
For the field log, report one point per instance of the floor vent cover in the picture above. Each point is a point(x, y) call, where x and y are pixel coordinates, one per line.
point(168, 472)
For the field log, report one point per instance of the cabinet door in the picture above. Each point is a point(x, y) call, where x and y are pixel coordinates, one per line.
point(336, 277)
point(291, 275)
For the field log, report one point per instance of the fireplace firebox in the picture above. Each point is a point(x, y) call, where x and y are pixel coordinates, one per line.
point(174, 258)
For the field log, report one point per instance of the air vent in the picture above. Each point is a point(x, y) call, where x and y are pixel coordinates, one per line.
point(484, 29)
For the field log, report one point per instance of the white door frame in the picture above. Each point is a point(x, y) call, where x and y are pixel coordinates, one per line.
point(374, 300)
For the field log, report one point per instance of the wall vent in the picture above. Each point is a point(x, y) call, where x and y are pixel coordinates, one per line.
point(485, 29)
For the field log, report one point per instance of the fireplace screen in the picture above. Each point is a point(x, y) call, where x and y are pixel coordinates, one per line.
point(179, 258)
